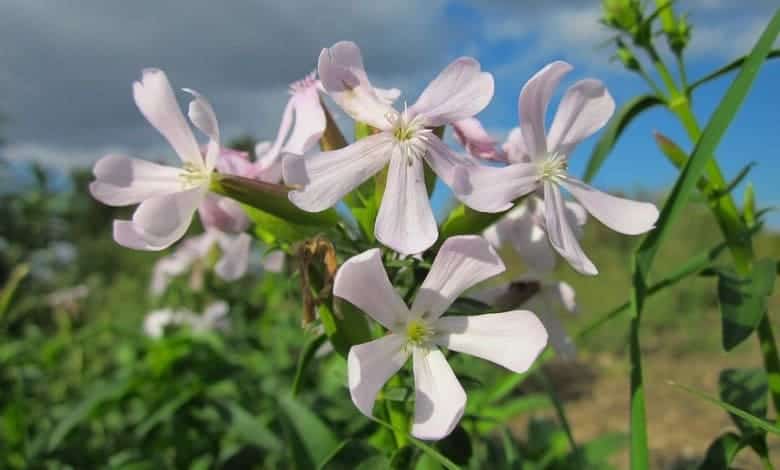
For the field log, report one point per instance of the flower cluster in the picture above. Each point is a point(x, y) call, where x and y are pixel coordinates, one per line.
point(520, 181)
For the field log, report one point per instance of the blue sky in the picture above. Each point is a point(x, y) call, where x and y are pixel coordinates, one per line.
point(66, 84)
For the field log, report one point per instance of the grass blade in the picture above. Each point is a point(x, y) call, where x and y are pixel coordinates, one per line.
point(685, 185)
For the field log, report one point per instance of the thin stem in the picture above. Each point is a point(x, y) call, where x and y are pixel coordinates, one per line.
point(560, 411)
point(683, 73)
point(737, 236)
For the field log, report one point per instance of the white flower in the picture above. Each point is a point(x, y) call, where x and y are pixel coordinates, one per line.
point(540, 162)
point(213, 318)
point(231, 266)
point(168, 196)
point(511, 339)
point(405, 221)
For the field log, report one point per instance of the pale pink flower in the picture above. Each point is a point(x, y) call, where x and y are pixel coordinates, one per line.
point(523, 230)
point(405, 221)
point(539, 162)
point(511, 339)
point(232, 264)
point(168, 196)
point(221, 212)
point(213, 318)
point(474, 138)
point(545, 297)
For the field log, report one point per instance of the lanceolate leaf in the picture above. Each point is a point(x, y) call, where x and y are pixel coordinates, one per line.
point(463, 220)
point(685, 185)
point(747, 390)
point(721, 452)
point(730, 67)
point(753, 420)
point(271, 198)
point(743, 301)
point(705, 147)
point(616, 127)
point(312, 435)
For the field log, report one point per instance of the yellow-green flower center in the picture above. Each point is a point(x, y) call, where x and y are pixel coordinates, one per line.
point(192, 176)
point(552, 167)
point(418, 332)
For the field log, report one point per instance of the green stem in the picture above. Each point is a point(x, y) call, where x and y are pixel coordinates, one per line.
point(561, 412)
point(397, 416)
point(737, 236)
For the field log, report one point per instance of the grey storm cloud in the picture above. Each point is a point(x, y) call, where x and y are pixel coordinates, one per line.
point(67, 67)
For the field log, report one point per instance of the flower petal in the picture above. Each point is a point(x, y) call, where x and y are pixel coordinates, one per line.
point(172, 265)
point(309, 121)
point(223, 213)
point(405, 220)
point(475, 139)
point(439, 399)
point(560, 234)
point(235, 257)
point(326, 177)
point(559, 338)
point(370, 365)
point(565, 295)
point(533, 101)
point(163, 220)
point(121, 181)
point(514, 147)
point(344, 78)
point(202, 115)
point(460, 91)
point(362, 281)
point(494, 189)
point(462, 262)
point(444, 162)
point(510, 339)
point(154, 97)
point(621, 215)
point(128, 236)
point(521, 229)
point(585, 108)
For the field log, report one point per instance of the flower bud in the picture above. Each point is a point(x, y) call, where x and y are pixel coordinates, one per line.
point(625, 56)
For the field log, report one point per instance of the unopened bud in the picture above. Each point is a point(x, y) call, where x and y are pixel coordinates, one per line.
point(625, 56)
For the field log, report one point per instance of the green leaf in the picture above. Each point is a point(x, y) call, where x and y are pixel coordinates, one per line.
point(100, 394)
point(272, 229)
point(373, 463)
point(312, 435)
point(747, 390)
point(721, 452)
point(270, 198)
point(730, 67)
point(425, 448)
point(345, 327)
point(304, 358)
point(7, 294)
point(164, 412)
point(324, 464)
point(749, 205)
point(743, 301)
point(684, 186)
point(753, 420)
point(616, 126)
point(464, 220)
point(251, 429)
point(706, 145)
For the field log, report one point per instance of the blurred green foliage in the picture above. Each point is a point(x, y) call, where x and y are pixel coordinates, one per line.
point(84, 387)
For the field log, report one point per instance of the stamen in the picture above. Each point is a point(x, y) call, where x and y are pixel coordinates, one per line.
point(418, 333)
point(553, 167)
